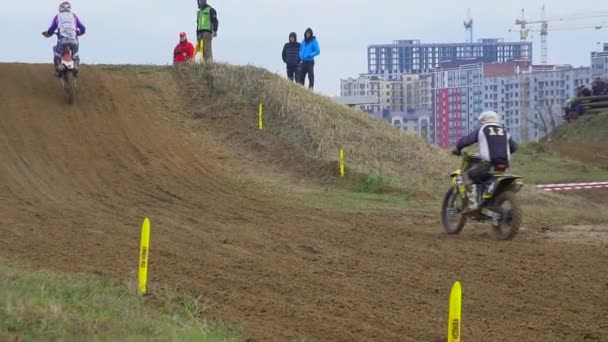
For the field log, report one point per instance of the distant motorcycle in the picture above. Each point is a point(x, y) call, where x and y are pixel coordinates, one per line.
point(496, 197)
point(66, 70)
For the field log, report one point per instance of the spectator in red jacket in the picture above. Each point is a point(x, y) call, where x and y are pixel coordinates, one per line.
point(184, 51)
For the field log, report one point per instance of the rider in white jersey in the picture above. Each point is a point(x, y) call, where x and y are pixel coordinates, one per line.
point(68, 28)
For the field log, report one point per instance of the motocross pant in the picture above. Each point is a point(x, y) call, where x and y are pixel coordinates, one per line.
point(480, 173)
point(57, 52)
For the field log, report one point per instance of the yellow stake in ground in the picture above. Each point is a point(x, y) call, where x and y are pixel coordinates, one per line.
point(143, 256)
point(199, 49)
point(455, 313)
point(261, 116)
point(341, 162)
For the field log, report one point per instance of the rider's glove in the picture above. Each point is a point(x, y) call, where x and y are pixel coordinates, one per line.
point(456, 152)
point(215, 34)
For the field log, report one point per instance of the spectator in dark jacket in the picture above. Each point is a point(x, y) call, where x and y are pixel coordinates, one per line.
point(583, 91)
point(291, 57)
point(598, 87)
point(309, 49)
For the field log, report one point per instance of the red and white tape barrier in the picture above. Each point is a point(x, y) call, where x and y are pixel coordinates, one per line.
point(573, 186)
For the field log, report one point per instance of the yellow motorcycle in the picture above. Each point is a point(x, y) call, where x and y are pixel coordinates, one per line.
point(497, 200)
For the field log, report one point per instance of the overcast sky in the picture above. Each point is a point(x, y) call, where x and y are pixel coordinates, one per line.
point(142, 32)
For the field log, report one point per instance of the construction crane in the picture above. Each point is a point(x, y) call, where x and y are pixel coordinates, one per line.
point(468, 26)
point(544, 27)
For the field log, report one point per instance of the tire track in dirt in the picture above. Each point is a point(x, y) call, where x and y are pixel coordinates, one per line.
point(76, 181)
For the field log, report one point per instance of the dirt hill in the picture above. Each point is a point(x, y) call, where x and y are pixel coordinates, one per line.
point(585, 139)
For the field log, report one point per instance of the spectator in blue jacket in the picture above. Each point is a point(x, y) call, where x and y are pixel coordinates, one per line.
point(309, 49)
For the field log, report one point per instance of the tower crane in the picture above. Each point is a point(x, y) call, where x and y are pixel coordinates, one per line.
point(544, 27)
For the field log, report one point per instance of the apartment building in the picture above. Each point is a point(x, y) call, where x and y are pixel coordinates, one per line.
point(457, 98)
point(599, 62)
point(413, 57)
point(388, 91)
point(530, 101)
point(412, 123)
point(398, 93)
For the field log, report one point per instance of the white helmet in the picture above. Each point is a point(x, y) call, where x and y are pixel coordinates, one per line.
point(65, 7)
point(488, 117)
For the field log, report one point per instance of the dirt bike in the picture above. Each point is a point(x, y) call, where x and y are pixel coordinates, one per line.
point(66, 70)
point(492, 195)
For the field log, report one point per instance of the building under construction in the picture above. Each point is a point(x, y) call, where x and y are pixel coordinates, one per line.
point(414, 57)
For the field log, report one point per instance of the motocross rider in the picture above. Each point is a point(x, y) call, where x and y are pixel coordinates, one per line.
point(495, 145)
point(69, 28)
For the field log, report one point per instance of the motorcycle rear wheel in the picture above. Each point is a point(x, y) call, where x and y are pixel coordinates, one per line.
point(447, 212)
point(508, 226)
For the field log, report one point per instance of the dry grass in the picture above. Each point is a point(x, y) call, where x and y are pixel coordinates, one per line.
point(319, 127)
point(588, 128)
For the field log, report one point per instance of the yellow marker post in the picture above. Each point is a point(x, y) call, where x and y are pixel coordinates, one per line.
point(261, 116)
point(143, 256)
point(341, 162)
point(199, 48)
point(454, 319)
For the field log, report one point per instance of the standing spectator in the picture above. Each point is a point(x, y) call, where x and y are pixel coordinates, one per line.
point(291, 57)
point(206, 28)
point(184, 51)
point(582, 91)
point(598, 87)
point(309, 49)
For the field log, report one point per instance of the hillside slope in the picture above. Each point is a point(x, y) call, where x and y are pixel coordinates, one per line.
point(585, 139)
point(305, 128)
point(76, 181)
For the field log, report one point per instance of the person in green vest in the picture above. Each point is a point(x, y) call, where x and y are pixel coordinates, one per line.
point(206, 28)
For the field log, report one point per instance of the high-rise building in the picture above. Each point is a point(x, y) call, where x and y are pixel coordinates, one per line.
point(599, 62)
point(414, 57)
point(456, 99)
point(530, 101)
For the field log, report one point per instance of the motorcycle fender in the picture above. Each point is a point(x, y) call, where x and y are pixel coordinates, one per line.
point(454, 175)
point(496, 183)
point(68, 65)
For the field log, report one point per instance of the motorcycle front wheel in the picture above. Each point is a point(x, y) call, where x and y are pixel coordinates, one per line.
point(452, 216)
point(68, 86)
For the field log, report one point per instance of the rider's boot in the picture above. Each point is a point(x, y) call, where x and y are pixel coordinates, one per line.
point(76, 67)
point(56, 63)
point(472, 197)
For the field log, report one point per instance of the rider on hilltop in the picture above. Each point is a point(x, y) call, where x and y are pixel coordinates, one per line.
point(68, 28)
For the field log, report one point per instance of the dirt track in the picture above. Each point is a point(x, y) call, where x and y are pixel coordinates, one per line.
point(75, 183)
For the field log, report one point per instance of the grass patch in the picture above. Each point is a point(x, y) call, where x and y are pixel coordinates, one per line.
point(43, 305)
point(539, 166)
point(150, 87)
point(342, 199)
point(140, 69)
point(372, 183)
point(588, 128)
